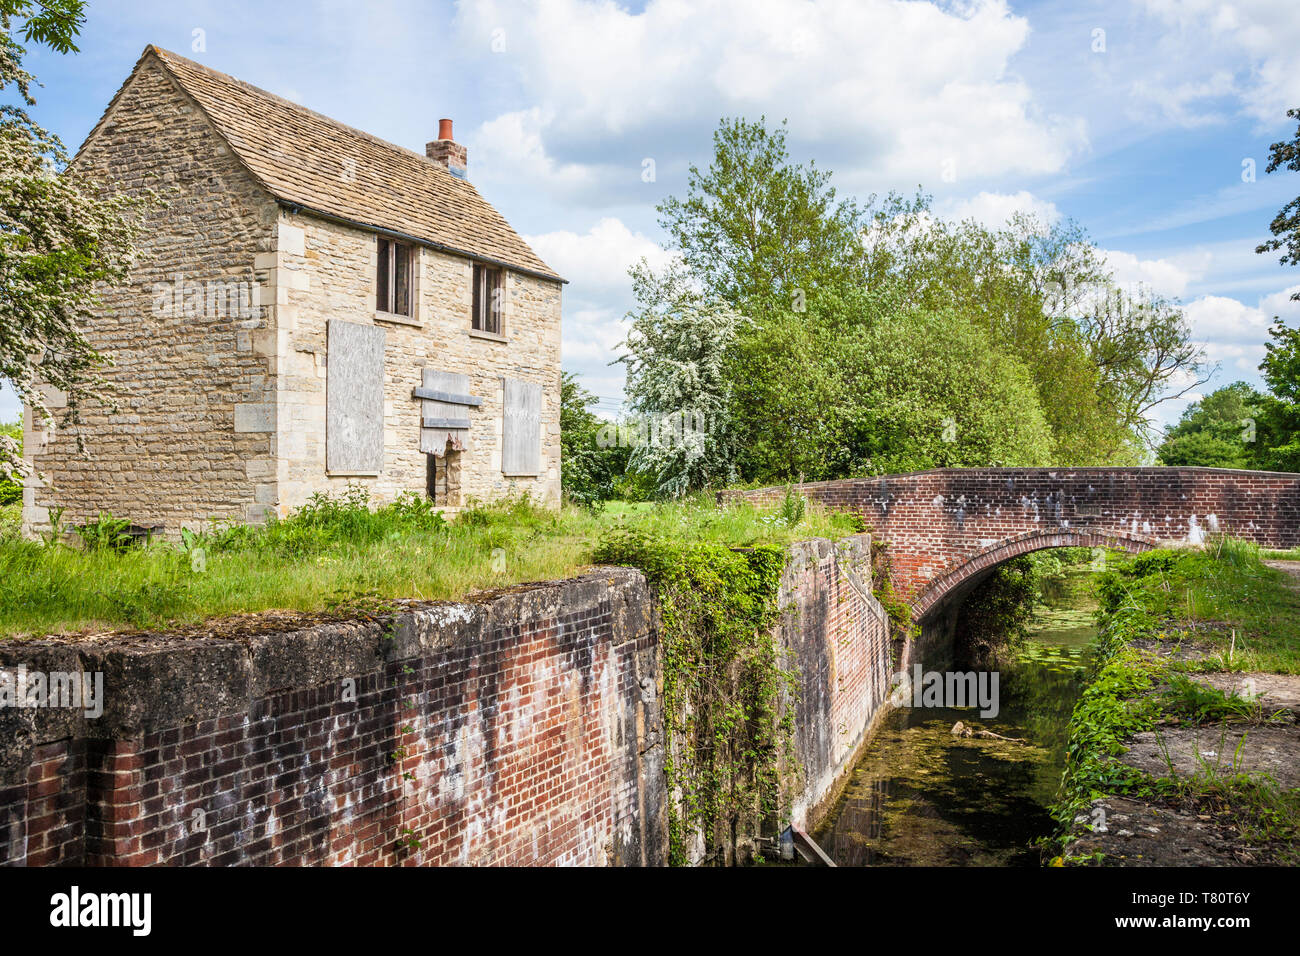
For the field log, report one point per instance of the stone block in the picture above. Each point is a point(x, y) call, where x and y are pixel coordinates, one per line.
point(254, 418)
point(291, 240)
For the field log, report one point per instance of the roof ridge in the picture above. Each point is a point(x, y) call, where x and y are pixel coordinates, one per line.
point(204, 68)
point(294, 153)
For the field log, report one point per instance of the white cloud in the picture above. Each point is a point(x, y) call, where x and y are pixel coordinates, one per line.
point(596, 262)
point(1234, 334)
point(911, 86)
point(512, 144)
point(592, 335)
point(1247, 52)
point(1159, 275)
point(993, 209)
point(1215, 318)
point(1281, 304)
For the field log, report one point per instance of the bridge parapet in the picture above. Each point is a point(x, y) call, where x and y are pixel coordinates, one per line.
point(945, 526)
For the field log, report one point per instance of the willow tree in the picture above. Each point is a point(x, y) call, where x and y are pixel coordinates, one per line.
point(59, 236)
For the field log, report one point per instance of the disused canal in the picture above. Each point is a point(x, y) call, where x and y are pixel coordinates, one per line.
point(921, 796)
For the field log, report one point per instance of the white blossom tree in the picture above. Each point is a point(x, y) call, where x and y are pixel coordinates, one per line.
point(676, 381)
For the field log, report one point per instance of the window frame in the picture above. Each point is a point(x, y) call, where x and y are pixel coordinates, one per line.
point(485, 280)
point(387, 286)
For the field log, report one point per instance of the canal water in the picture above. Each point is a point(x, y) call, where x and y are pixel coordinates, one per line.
point(923, 797)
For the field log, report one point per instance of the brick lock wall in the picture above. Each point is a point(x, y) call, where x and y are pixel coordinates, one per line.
point(530, 738)
point(43, 807)
point(521, 729)
point(944, 527)
point(837, 632)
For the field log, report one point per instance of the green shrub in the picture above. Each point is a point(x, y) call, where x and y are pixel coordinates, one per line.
point(10, 491)
point(104, 533)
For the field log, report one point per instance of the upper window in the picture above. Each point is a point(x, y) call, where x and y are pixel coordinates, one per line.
point(487, 299)
point(393, 278)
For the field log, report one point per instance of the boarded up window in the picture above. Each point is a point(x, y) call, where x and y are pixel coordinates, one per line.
point(354, 399)
point(445, 417)
point(521, 445)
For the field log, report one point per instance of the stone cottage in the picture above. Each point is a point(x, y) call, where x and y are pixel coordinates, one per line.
point(312, 307)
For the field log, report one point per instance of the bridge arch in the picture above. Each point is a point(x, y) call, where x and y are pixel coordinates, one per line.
point(959, 579)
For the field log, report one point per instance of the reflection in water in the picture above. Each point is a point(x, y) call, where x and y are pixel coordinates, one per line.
point(922, 797)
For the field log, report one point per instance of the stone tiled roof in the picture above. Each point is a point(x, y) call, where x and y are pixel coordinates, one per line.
point(310, 160)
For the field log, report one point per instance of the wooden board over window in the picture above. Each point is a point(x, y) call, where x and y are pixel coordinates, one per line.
point(521, 444)
point(354, 399)
point(445, 423)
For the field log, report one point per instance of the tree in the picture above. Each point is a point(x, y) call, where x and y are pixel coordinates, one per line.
point(835, 292)
point(590, 463)
point(1281, 410)
point(59, 237)
point(1222, 430)
point(676, 381)
point(1100, 359)
point(1141, 344)
point(792, 396)
point(931, 391)
point(753, 224)
point(1286, 224)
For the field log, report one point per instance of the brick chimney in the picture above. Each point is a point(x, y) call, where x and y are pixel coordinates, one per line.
point(447, 151)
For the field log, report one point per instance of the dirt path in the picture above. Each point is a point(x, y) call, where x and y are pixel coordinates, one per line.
point(1131, 831)
point(1289, 568)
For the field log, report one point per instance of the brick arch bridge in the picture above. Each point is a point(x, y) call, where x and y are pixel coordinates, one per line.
point(947, 529)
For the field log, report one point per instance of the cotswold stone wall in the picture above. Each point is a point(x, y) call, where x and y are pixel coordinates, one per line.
point(946, 528)
point(521, 728)
point(219, 336)
point(181, 347)
point(327, 271)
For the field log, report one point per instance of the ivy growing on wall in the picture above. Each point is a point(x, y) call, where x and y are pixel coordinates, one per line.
point(727, 716)
point(901, 627)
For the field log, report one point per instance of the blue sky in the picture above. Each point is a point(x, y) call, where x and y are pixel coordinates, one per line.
point(1134, 119)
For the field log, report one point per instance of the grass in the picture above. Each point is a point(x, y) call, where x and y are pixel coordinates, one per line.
point(1199, 704)
point(1246, 616)
point(338, 553)
point(11, 518)
point(1273, 554)
point(1245, 613)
